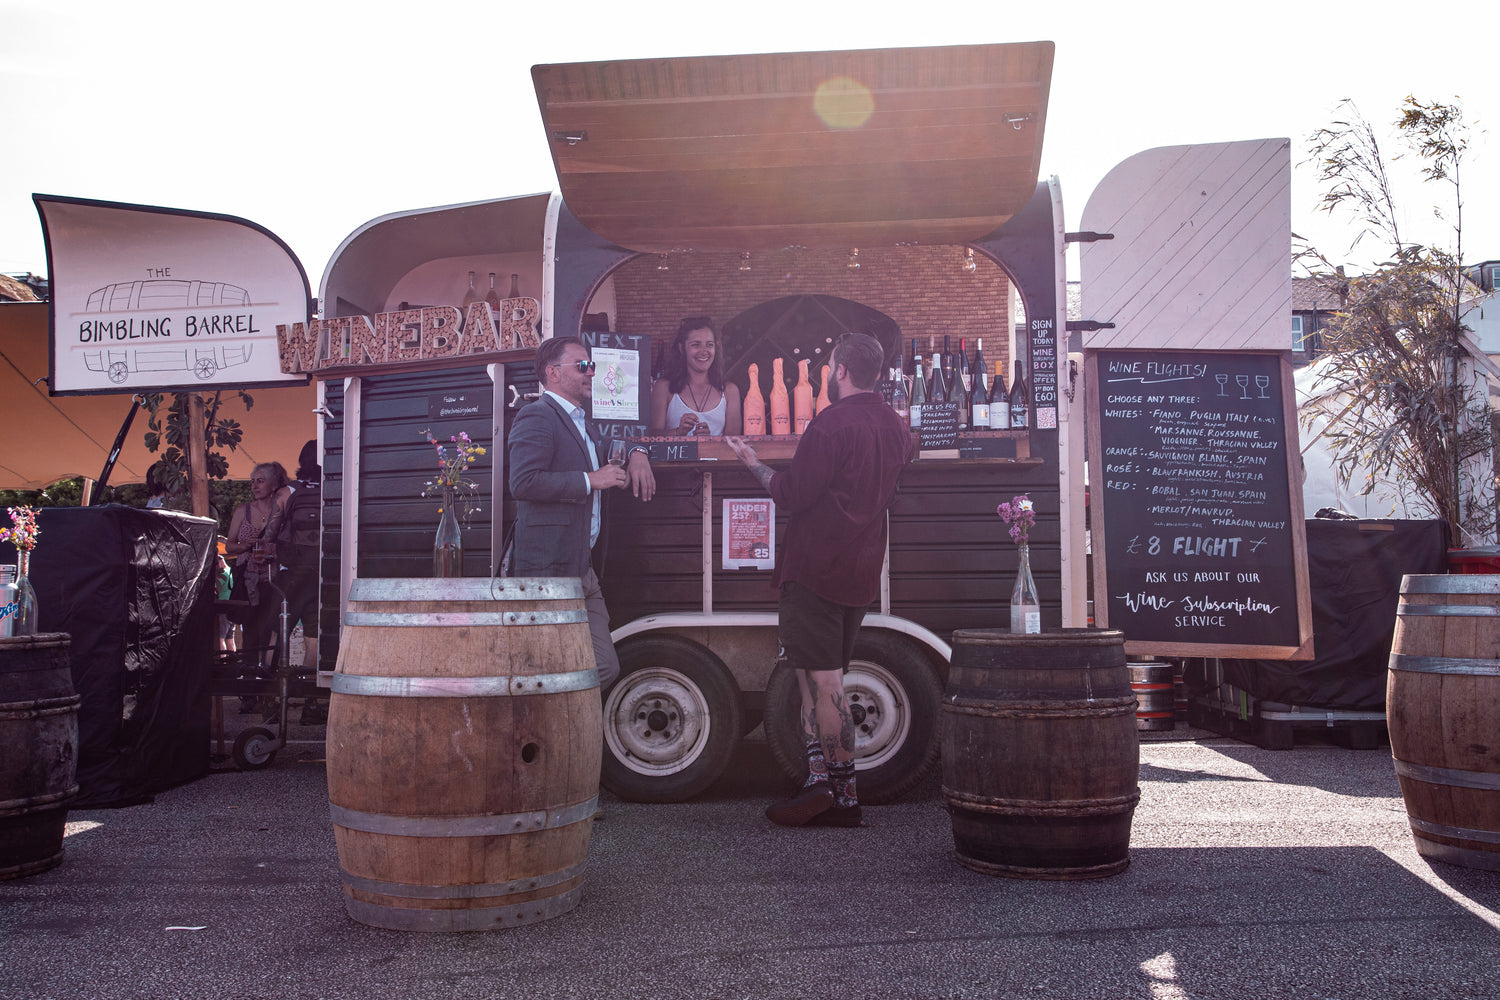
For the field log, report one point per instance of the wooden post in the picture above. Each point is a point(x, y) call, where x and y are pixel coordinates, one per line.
point(197, 455)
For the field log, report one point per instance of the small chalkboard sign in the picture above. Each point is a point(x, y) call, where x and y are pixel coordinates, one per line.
point(1199, 543)
point(939, 426)
point(987, 447)
point(459, 404)
point(682, 450)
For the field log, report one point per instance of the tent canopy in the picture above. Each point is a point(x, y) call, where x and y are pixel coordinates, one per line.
point(49, 438)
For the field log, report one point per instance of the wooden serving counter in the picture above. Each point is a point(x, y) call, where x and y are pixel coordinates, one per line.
point(984, 447)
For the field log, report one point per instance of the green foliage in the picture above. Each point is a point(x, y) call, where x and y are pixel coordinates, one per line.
point(169, 430)
point(1401, 406)
point(223, 496)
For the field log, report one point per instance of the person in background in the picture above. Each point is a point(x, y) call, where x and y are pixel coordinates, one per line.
point(156, 484)
point(296, 525)
point(693, 397)
point(224, 581)
point(247, 530)
point(558, 481)
point(836, 492)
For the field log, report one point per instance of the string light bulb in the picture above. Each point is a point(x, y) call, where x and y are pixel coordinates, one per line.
point(970, 264)
point(853, 258)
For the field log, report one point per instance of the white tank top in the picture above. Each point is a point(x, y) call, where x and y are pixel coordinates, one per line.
point(714, 417)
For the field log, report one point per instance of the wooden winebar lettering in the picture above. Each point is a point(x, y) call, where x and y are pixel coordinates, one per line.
point(1198, 536)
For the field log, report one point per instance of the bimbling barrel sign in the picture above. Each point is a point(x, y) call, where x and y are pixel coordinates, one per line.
point(1199, 544)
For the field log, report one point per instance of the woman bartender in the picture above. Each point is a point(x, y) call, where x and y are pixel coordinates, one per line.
point(693, 398)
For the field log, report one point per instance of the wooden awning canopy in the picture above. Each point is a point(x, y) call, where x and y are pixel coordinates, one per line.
point(817, 149)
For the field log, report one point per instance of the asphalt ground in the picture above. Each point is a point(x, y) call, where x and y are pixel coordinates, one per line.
point(1254, 874)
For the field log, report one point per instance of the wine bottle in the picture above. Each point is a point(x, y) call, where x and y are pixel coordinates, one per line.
point(999, 401)
point(823, 401)
point(754, 407)
point(802, 399)
point(472, 295)
point(918, 393)
point(492, 297)
point(781, 405)
point(659, 366)
point(515, 287)
point(1020, 400)
point(959, 380)
point(979, 400)
point(900, 402)
point(937, 392)
point(915, 357)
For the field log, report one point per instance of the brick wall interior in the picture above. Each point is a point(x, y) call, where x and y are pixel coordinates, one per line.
point(925, 290)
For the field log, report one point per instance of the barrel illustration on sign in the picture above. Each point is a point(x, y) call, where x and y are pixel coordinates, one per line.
point(1201, 530)
point(183, 308)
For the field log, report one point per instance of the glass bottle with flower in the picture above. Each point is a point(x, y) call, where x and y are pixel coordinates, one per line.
point(1025, 606)
point(459, 494)
point(20, 613)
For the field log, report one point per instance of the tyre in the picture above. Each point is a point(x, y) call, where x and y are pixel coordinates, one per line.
point(255, 748)
point(894, 696)
point(671, 721)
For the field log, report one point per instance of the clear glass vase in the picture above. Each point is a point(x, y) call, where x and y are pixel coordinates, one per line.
point(448, 546)
point(26, 611)
point(1025, 606)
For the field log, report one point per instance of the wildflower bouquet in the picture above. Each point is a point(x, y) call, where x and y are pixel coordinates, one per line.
point(452, 477)
point(1020, 515)
point(23, 534)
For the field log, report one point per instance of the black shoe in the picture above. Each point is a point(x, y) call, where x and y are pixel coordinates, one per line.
point(802, 807)
point(839, 816)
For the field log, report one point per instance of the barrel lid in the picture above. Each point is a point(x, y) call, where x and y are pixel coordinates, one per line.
point(497, 588)
point(1451, 583)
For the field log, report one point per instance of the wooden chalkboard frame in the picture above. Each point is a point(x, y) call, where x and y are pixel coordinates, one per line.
point(1166, 642)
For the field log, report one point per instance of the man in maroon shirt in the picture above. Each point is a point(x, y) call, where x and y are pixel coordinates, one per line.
point(837, 491)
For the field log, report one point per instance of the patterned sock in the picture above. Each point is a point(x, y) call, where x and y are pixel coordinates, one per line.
point(817, 765)
point(841, 773)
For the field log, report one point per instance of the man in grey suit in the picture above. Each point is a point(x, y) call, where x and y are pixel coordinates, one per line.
point(558, 481)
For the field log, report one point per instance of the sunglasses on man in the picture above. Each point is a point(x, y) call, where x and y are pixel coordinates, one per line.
point(585, 367)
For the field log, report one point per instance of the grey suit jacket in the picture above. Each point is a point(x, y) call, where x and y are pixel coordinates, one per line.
point(553, 507)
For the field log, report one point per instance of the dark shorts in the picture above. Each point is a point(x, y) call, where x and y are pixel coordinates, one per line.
point(816, 634)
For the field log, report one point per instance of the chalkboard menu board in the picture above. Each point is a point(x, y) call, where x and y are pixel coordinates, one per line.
point(1199, 544)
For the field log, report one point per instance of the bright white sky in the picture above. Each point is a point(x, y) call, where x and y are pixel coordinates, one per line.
point(311, 118)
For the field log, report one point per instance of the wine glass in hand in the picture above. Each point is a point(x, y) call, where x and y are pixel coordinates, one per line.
point(616, 453)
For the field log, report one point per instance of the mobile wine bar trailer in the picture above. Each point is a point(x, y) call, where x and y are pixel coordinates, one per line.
point(746, 188)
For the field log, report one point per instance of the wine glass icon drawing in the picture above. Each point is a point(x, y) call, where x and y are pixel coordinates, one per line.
point(1261, 383)
point(1223, 380)
point(1244, 384)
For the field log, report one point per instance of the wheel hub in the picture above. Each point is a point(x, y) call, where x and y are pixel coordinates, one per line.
point(656, 721)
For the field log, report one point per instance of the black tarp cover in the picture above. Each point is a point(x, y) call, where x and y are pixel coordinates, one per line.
point(134, 588)
point(1355, 569)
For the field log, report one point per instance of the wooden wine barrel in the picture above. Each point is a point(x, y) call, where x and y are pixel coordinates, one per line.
point(1443, 711)
point(1155, 695)
point(1040, 753)
point(38, 751)
point(464, 742)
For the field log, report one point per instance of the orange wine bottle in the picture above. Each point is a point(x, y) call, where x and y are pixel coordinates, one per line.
point(755, 404)
point(823, 400)
point(802, 397)
point(781, 408)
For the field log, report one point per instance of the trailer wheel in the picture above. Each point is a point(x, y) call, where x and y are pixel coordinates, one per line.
point(671, 721)
point(894, 696)
point(254, 749)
